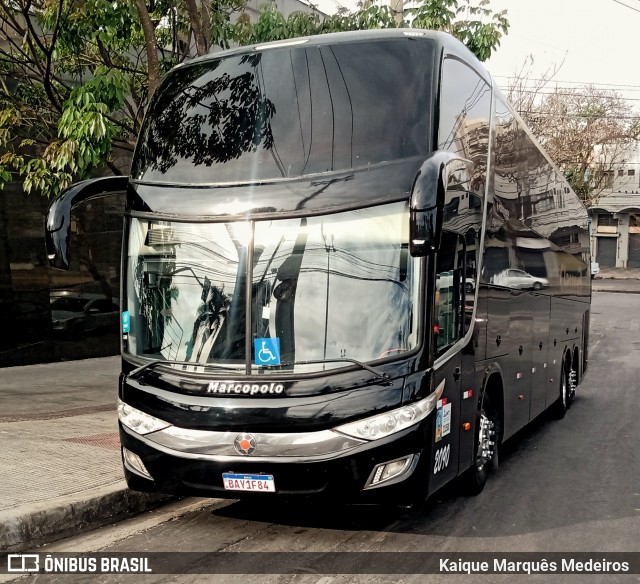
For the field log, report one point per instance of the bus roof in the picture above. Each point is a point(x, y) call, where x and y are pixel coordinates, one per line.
point(443, 41)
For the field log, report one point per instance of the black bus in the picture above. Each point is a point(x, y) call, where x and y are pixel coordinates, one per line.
point(348, 270)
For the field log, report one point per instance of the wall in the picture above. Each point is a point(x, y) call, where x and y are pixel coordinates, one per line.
point(31, 331)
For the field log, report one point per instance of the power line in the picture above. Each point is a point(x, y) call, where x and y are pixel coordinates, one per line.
point(566, 94)
point(586, 83)
point(571, 94)
point(562, 116)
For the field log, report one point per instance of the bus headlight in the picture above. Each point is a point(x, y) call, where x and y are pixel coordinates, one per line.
point(138, 421)
point(383, 425)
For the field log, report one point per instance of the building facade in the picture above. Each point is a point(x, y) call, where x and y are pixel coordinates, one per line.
point(50, 315)
point(615, 216)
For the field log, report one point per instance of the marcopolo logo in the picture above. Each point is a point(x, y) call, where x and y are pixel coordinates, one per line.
point(234, 387)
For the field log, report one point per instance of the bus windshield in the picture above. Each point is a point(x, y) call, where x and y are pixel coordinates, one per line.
point(288, 112)
point(341, 286)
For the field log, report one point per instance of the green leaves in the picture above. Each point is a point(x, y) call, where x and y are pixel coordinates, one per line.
point(85, 128)
point(77, 72)
point(475, 25)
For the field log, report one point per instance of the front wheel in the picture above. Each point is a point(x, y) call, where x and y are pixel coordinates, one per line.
point(474, 479)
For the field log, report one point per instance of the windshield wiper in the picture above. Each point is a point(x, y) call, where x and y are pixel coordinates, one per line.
point(152, 364)
point(386, 378)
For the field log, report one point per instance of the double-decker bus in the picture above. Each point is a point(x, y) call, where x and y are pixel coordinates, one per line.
point(349, 270)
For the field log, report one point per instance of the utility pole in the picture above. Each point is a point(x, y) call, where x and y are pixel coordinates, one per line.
point(397, 7)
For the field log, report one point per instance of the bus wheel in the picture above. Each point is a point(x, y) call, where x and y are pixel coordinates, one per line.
point(573, 383)
point(562, 404)
point(486, 448)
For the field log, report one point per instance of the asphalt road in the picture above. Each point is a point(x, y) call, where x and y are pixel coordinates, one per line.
point(568, 485)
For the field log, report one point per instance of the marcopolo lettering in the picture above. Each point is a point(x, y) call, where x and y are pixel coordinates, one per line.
point(232, 387)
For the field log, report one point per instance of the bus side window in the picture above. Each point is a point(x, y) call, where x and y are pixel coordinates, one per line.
point(449, 300)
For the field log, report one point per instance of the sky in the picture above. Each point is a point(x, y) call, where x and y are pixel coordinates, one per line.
point(590, 41)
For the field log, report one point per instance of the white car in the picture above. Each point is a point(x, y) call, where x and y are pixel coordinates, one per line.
point(520, 279)
point(595, 269)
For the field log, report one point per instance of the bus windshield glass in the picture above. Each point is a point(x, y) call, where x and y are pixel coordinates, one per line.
point(288, 112)
point(341, 286)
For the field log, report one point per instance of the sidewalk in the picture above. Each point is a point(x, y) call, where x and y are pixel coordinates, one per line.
point(617, 280)
point(618, 274)
point(60, 458)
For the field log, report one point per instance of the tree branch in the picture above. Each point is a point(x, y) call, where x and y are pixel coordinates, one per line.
point(151, 44)
point(196, 27)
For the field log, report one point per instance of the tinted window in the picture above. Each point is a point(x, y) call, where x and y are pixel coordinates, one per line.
point(289, 112)
point(534, 216)
point(323, 288)
point(465, 109)
point(450, 300)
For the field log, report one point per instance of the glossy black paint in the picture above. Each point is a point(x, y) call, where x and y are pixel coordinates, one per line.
point(307, 405)
point(535, 224)
point(288, 111)
point(510, 208)
point(340, 478)
point(322, 193)
point(58, 225)
point(426, 205)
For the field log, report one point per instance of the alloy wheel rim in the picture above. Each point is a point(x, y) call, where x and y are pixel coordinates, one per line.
point(485, 443)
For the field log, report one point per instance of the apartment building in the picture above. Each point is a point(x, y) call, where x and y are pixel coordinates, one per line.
point(615, 215)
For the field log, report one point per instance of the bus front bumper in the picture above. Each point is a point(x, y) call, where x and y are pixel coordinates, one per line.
point(391, 469)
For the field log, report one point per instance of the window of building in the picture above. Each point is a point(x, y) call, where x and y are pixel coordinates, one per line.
point(607, 220)
point(543, 202)
point(608, 178)
point(620, 172)
point(631, 172)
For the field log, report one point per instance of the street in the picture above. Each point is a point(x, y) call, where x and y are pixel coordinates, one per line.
point(566, 485)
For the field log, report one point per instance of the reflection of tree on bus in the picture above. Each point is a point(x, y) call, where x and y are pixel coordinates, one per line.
point(210, 317)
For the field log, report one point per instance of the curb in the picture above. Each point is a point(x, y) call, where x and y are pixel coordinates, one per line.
point(29, 526)
point(614, 290)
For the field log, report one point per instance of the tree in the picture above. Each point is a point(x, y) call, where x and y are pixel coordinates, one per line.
point(76, 75)
point(586, 131)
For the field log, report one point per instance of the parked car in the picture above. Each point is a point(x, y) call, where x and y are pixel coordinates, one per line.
point(75, 314)
point(24, 321)
point(595, 269)
point(520, 279)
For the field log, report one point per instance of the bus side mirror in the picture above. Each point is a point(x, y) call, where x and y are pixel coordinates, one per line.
point(58, 219)
point(438, 174)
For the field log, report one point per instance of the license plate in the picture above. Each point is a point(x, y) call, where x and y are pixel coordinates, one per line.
point(253, 483)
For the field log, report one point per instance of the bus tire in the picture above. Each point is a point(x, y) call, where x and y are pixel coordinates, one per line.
point(562, 404)
point(486, 440)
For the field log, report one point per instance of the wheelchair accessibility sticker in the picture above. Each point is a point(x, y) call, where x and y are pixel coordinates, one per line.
point(267, 351)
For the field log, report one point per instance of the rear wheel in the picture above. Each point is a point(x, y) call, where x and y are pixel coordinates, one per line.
point(563, 403)
point(573, 383)
point(486, 448)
